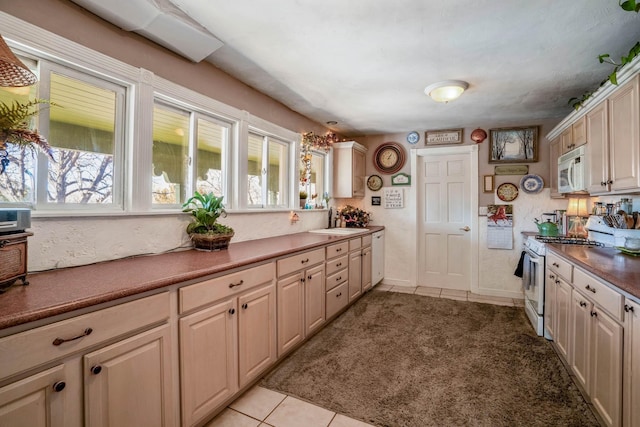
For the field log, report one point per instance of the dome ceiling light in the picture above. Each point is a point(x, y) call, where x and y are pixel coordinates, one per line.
point(447, 90)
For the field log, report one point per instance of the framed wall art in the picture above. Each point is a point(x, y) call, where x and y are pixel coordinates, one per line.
point(513, 145)
point(443, 137)
point(488, 184)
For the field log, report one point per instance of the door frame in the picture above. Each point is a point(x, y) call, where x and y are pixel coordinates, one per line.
point(472, 152)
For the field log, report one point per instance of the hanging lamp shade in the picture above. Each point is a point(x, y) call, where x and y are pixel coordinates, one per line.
point(13, 73)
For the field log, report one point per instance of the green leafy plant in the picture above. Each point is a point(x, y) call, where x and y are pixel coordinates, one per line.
point(206, 209)
point(14, 125)
point(630, 5)
point(303, 195)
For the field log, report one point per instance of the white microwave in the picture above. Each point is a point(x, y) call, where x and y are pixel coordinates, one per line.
point(571, 171)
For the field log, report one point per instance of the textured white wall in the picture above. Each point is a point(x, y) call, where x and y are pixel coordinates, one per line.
point(65, 242)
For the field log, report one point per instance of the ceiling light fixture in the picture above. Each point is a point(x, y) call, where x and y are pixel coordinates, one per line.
point(447, 90)
point(332, 122)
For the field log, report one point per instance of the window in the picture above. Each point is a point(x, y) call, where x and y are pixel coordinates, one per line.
point(267, 171)
point(173, 175)
point(313, 177)
point(85, 128)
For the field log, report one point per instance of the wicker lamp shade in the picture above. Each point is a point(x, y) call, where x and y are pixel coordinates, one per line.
point(13, 73)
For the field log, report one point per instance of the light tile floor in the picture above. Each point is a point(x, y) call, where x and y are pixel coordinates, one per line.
point(261, 407)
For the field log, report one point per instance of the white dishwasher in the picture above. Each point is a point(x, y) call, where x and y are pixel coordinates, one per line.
point(377, 257)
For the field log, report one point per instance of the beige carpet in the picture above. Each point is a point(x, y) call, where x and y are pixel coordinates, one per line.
point(406, 360)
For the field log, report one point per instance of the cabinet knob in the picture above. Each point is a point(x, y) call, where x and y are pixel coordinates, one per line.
point(339, 250)
point(603, 183)
point(302, 279)
point(309, 277)
point(583, 304)
point(557, 281)
point(233, 285)
point(95, 370)
point(589, 288)
point(628, 308)
point(594, 314)
point(59, 386)
point(232, 311)
point(304, 261)
point(245, 306)
point(610, 182)
point(551, 276)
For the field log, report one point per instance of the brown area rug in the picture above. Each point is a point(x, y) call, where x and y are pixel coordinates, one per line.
point(395, 359)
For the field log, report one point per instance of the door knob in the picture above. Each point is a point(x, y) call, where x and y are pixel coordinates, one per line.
point(465, 228)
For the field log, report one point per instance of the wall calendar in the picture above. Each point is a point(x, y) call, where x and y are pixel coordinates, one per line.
point(393, 198)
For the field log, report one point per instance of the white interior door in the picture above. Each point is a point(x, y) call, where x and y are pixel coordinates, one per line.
point(446, 220)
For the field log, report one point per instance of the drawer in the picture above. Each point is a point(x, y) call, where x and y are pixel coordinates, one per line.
point(301, 261)
point(37, 346)
point(336, 278)
point(366, 240)
point(337, 299)
point(209, 291)
point(560, 266)
point(337, 264)
point(337, 249)
point(601, 294)
point(355, 244)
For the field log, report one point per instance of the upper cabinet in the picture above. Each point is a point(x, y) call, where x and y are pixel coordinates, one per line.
point(348, 169)
point(554, 152)
point(574, 136)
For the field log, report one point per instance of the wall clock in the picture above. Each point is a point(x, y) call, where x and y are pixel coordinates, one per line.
point(389, 157)
point(374, 182)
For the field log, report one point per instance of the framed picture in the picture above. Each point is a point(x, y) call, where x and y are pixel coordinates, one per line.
point(401, 179)
point(443, 137)
point(488, 184)
point(513, 145)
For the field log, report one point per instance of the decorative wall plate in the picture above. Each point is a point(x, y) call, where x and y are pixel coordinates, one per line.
point(413, 137)
point(507, 192)
point(374, 182)
point(389, 157)
point(531, 184)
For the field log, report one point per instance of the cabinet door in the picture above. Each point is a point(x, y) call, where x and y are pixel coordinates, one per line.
point(290, 312)
point(624, 137)
point(355, 275)
point(377, 254)
point(597, 123)
point(566, 140)
point(129, 383)
point(631, 375)
point(366, 268)
point(580, 338)
point(606, 374)
point(359, 159)
point(314, 299)
point(256, 332)
point(550, 304)
point(36, 401)
point(579, 132)
point(562, 312)
point(555, 150)
point(208, 360)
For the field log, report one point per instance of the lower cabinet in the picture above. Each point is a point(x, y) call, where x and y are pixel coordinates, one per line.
point(129, 383)
point(562, 317)
point(366, 267)
point(355, 269)
point(631, 370)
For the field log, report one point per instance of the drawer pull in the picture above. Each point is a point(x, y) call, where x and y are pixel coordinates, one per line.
point(589, 288)
point(583, 304)
point(59, 341)
point(245, 306)
point(233, 285)
point(304, 261)
point(59, 386)
point(339, 295)
point(339, 264)
point(95, 370)
point(302, 280)
point(628, 308)
point(339, 278)
point(339, 250)
point(309, 277)
point(232, 311)
point(557, 281)
point(594, 314)
point(555, 264)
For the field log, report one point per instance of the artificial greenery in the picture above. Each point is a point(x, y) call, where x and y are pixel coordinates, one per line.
point(206, 209)
point(14, 125)
point(629, 6)
point(303, 195)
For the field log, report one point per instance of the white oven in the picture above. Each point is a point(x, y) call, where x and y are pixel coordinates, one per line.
point(533, 282)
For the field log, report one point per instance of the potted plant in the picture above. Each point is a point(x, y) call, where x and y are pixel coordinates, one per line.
point(14, 129)
point(303, 199)
point(204, 230)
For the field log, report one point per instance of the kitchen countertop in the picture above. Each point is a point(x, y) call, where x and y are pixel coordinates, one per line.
point(622, 271)
point(61, 291)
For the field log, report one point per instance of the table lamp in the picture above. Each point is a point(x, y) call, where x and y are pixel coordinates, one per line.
point(576, 210)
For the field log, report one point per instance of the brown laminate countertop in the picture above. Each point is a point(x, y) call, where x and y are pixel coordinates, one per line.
point(64, 290)
point(622, 271)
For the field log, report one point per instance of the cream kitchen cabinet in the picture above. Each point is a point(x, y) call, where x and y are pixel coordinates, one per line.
point(355, 269)
point(561, 272)
point(349, 161)
point(88, 361)
point(301, 297)
point(377, 257)
point(555, 151)
point(573, 136)
point(337, 281)
point(598, 150)
point(227, 337)
point(631, 377)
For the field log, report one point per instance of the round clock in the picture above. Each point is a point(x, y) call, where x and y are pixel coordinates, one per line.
point(507, 192)
point(413, 137)
point(374, 182)
point(389, 157)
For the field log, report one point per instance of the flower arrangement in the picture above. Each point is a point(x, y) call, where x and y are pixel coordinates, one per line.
point(354, 217)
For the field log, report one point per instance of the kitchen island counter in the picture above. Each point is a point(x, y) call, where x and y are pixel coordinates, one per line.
point(62, 291)
point(622, 271)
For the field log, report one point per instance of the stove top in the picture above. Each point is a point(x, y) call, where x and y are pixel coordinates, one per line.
point(565, 240)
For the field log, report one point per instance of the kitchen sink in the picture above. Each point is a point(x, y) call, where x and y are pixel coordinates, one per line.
point(339, 231)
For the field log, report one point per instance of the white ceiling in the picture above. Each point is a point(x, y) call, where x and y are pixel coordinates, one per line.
point(365, 63)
